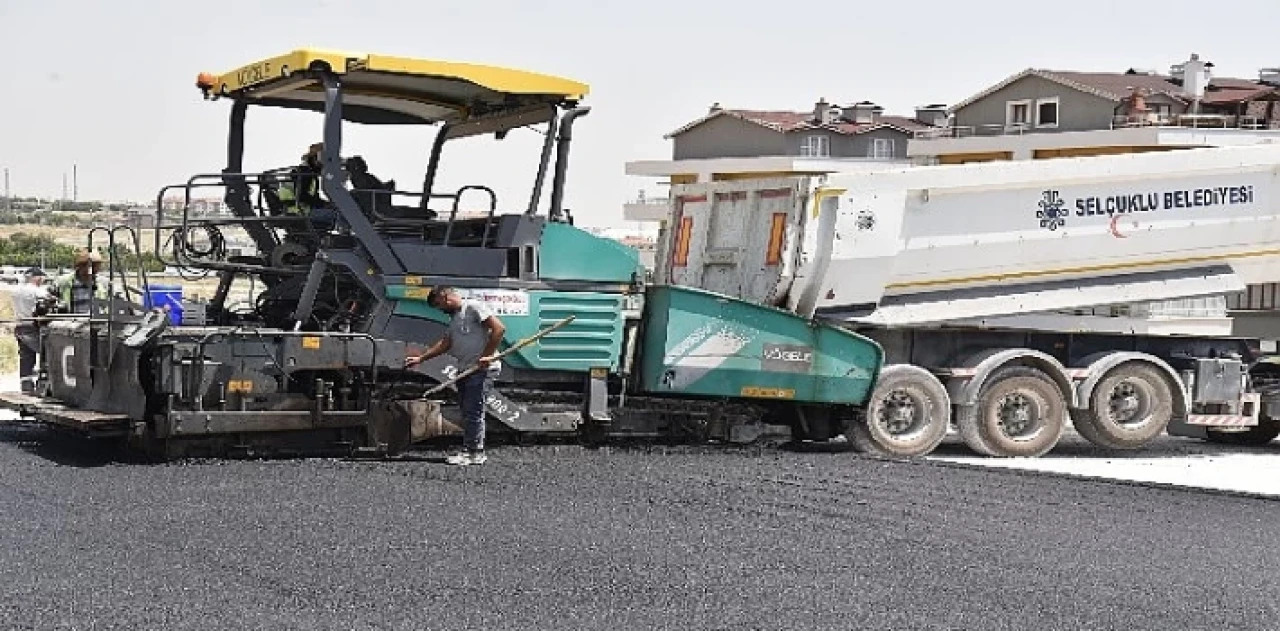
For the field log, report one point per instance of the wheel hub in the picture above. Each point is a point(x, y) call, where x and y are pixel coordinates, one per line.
point(901, 414)
point(1019, 414)
point(1128, 405)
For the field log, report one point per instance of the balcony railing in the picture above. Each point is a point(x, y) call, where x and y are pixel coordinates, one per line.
point(1195, 121)
point(1179, 121)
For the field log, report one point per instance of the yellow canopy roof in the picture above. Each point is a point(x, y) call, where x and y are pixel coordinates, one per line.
point(386, 89)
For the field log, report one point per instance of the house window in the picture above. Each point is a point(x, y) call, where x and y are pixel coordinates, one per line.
point(881, 148)
point(816, 147)
point(1017, 113)
point(1047, 112)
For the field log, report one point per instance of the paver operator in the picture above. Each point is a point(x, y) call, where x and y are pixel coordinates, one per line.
point(300, 193)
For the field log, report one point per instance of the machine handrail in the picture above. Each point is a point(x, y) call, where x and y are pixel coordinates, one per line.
point(114, 265)
point(453, 213)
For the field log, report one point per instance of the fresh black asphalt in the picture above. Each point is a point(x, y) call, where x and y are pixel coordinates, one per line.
point(561, 537)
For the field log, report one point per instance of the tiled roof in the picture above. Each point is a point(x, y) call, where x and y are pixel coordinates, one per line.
point(784, 121)
point(1238, 94)
point(1119, 85)
point(1115, 85)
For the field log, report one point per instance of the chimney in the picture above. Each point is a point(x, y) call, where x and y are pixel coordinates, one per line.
point(715, 107)
point(820, 111)
point(1137, 103)
point(825, 113)
point(934, 115)
point(863, 113)
point(1193, 75)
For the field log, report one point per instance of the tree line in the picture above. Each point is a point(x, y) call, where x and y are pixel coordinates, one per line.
point(25, 250)
point(51, 219)
point(62, 204)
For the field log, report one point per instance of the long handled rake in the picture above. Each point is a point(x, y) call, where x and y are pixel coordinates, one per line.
point(515, 347)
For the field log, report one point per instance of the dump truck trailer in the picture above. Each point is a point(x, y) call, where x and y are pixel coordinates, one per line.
point(1004, 293)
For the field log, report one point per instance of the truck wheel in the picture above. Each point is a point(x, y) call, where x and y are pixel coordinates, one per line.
point(1020, 413)
point(1130, 407)
point(1261, 434)
point(907, 415)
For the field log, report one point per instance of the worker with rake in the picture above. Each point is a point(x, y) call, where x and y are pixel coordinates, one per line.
point(472, 337)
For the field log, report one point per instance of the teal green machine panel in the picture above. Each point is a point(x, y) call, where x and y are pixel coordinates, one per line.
point(592, 340)
point(709, 345)
point(569, 253)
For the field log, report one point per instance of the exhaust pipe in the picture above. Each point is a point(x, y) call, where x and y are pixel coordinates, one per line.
point(562, 160)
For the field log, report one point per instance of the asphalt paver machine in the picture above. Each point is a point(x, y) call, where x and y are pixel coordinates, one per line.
point(313, 360)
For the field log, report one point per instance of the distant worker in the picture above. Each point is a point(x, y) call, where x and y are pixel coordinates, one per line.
point(300, 193)
point(472, 337)
point(362, 179)
point(78, 290)
point(25, 298)
point(370, 192)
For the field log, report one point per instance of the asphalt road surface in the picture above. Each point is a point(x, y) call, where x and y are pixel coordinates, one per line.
point(551, 537)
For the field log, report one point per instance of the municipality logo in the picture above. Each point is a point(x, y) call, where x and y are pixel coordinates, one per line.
point(1052, 213)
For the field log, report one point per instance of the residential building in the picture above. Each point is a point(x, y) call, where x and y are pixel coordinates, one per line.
point(199, 205)
point(645, 208)
point(736, 143)
point(1043, 114)
point(861, 130)
point(140, 217)
point(1038, 113)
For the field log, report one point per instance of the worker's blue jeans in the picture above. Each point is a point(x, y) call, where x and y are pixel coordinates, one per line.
point(28, 346)
point(472, 392)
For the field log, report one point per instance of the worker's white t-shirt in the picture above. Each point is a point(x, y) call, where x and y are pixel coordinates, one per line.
point(468, 334)
point(25, 296)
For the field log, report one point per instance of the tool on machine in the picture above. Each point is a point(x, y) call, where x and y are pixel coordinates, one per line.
point(517, 346)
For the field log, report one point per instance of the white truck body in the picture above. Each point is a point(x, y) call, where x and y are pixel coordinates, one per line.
point(929, 245)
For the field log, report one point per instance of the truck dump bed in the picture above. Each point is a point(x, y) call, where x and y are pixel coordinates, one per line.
point(919, 245)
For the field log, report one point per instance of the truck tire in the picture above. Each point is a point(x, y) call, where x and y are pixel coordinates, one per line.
point(1020, 413)
point(1130, 407)
point(907, 415)
point(1259, 435)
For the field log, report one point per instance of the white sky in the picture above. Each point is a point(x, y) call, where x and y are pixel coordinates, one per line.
point(109, 86)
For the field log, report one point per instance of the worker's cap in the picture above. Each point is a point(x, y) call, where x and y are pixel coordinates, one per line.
point(34, 272)
point(85, 257)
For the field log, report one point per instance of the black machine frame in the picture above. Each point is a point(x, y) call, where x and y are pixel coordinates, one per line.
point(159, 387)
